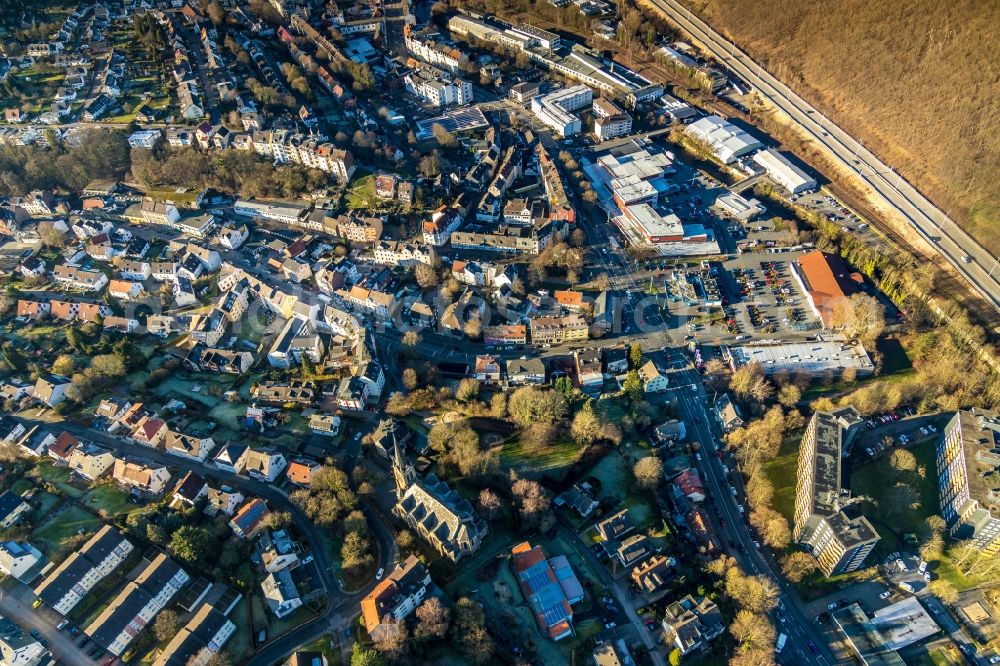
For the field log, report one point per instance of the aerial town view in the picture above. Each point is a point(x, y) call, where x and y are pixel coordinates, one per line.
point(538, 332)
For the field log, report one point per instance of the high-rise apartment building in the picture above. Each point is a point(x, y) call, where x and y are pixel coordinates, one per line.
point(825, 522)
point(968, 467)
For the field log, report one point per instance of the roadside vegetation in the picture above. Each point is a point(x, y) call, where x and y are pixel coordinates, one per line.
point(918, 97)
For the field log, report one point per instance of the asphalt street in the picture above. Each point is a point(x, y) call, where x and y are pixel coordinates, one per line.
point(61, 645)
point(982, 271)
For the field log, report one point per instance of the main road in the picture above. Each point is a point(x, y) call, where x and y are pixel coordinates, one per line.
point(805, 645)
point(971, 260)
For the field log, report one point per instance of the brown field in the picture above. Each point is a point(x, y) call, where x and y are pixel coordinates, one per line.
point(918, 81)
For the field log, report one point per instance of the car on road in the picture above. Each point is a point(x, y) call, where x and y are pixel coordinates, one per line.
point(831, 606)
point(62, 625)
point(610, 625)
point(379, 573)
point(35, 634)
point(812, 647)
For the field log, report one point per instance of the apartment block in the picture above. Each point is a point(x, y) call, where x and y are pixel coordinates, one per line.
point(826, 521)
point(968, 464)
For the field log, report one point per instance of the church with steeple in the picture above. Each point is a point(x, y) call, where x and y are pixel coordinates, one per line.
point(433, 510)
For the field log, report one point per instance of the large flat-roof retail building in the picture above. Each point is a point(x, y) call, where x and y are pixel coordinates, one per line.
point(829, 355)
point(785, 174)
point(826, 281)
point(726, 141)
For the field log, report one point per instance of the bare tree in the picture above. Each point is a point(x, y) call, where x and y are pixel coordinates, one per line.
point(489, 503)
point(648, 472)
point(433, 619)
point(797, 566)
point(752, 631)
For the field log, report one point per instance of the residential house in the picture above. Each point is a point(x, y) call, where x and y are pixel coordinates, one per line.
point(727, 413)
point(264, 464)
point(20, 560)
point(203, 637)
point(18, 648)
point(35, 442)
point(324, 424)
point(278, 551)
point(112, 410)
point(280, 594)
point(33, 310)
point(137, 271)
point(224, 500)
point(487, 369)
point(653, 379)
point(525, 371)
point(232, 457)
point(12, 507)
point(615, 360)
point(589, 369)
point(138, 475)
point(653, 573)
point(301, 471)
point(280, 393)
point(616, 526)
point(15, 390)
point(632, 549)
point(51, 390)
point(395, 598)
point(690, 485)
point(80, 278)
point(11, 429)
point(188, 446)
point(579, 498)
point(505, 335)
point(689, 624)
point(90, 461)
point(66, 585)
point(61, 449)
point(248, 520)
point(151, 432)
point(124, 290)
point(190, 489)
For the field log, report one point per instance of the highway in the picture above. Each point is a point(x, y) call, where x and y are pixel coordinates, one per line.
point(892, 190)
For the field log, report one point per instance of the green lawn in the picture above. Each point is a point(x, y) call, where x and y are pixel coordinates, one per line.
point(56, 537)
point(57, 476)
point(872, 481)
point(322, 644)
point(239, 645)
point(21, 486)
point(554, 461)
point(782, 471)
point(109, 500)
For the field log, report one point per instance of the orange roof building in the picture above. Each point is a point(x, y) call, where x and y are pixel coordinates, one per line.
point(395, 597)
point(301, 472)
point(825, 280)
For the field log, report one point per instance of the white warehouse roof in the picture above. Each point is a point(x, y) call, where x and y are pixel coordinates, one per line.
point(783, 172)
point(726, 140)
